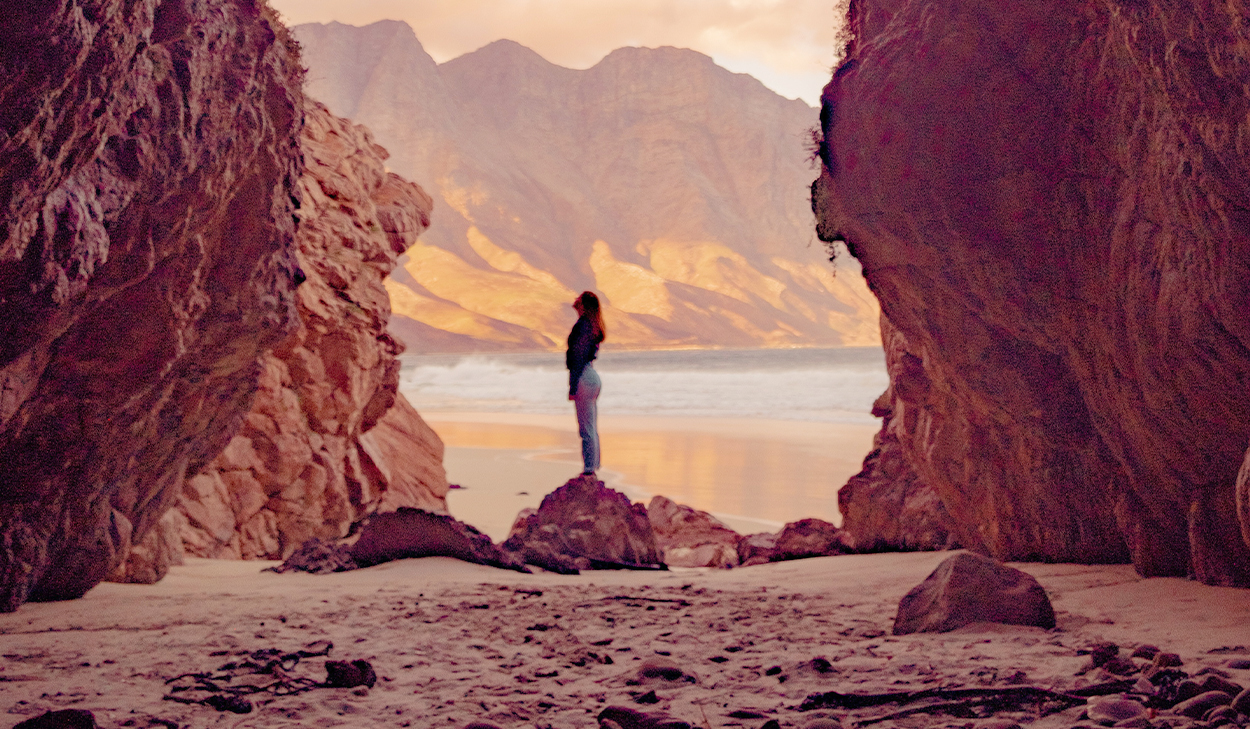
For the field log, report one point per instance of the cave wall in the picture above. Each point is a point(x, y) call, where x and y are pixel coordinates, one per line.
point(329, 439)
point(1050, 200)
point(148, 168)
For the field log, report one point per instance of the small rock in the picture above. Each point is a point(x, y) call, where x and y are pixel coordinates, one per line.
point(1167, 660)
point(647, 698)
point(998, 724)
point(1187, 689)
point(770, 724)
point(823, 723)
point(63, 719)
point(1100, 653)
point(1144, 686)
point(1111, 711)
point(968, 588)
point(746, 714)
point(627, 718)
point(1137, 722)
point(344, 674)
point(1220, 715)
point(1202, 703)
point(1216, 682)
point(663, 670)
point(1146, 651)
point(233, 704)
point(1119, 666)
point(481, 725)
point(1242, 702)
point(1241, 664)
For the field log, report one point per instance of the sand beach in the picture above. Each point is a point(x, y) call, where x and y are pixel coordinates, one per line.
point(453, 643)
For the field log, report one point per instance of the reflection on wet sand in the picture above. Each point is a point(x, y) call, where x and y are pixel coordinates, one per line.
point(780, 476)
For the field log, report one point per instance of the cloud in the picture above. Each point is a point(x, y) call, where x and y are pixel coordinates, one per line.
point(790, 45)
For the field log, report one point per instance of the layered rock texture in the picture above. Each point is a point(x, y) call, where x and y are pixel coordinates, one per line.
point(148, 168)
point(677, 190)
point(328, 439)
point(1050, 201)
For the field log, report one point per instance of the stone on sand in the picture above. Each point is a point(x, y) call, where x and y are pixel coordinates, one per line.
point(970, 588)
point(691, 538)
point(417, 533)
point(809, 538)
point(63, 719)
point(627, 718)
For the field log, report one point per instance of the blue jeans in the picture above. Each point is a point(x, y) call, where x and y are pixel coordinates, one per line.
point(586, 399)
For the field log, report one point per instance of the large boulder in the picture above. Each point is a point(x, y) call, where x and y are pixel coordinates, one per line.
point(149, 161)
point(584, 524)
point(688, 537)
point(328, 439)
point(972, 588)
point(1048, 199)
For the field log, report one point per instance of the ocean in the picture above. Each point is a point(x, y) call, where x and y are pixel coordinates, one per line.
point(818, 385)
point(758, 438)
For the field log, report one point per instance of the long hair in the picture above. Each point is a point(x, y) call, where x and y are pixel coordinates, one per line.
point(592, 313)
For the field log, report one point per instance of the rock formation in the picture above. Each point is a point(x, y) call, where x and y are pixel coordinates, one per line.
point(1049, 200)
point(328, 439)
point(585, 525)
point(886, 506)
point(148, 169)
point(676, 189)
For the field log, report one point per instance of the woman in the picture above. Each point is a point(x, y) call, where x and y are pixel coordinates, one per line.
point(584, 383)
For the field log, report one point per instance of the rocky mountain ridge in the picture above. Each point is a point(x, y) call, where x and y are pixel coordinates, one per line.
point(676, 189)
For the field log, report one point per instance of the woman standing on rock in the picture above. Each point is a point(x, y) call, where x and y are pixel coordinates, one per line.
point(584, 383)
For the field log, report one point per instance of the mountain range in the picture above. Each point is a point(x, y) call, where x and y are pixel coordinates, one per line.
point(677, 190)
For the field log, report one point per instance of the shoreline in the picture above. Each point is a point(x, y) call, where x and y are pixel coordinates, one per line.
point(753, 474)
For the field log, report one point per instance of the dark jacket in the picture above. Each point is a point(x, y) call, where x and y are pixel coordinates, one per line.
point(583, 348)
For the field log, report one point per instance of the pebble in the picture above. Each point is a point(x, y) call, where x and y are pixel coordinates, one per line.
point(63, 719)
point(1146, 651)
point(1242, 702)
point(481, 725)
point(1110, 711)
point(1202, 703)
point(1220, 715)
point(1240, 664)
point(1216, 682)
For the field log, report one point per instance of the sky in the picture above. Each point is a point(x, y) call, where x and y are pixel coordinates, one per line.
point(789, 45)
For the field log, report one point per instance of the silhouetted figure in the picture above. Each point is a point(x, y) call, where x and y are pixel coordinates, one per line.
point(584, 384)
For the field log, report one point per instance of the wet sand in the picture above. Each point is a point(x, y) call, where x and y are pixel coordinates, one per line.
point(755, 475)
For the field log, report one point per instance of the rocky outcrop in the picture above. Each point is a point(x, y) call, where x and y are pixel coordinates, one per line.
point(971, 588)
point(541, 192)
point(886, 506)
point(148, 169)
point(688, 537)
point(1049, 201)
point(585, 525)
point(328, 439)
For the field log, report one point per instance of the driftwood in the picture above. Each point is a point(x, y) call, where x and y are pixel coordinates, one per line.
point(957, 702)
point(269, 662)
